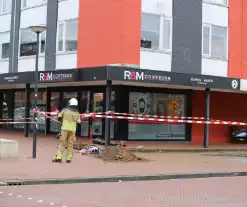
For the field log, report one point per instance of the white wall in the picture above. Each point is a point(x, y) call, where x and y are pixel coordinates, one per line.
point(28, 64)
point(215, 14)
point(155, 60)
point(163, 7)
point(68, 9)
point(4, 66)
point(66, 61)
point(214, 67)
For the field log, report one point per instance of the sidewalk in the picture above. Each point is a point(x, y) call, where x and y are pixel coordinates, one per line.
point(83, 166)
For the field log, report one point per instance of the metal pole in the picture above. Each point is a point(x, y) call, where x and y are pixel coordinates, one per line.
point(27, 110)
point(207, 115)
point(107, 108)
point(36, 98)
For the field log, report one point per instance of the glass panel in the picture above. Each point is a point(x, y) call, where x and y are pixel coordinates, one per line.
point(176, 107)
point(19, 109)
point(206, 40)
point(151, 104)
point(166, 34)
point(98, 103)
point(112, 121)
point(41, 107)
point(7, 6)
point(85, 99)
point(60, 36)
point(54, 123)
point(219, 42)
point(150, 31)
point(71, 35)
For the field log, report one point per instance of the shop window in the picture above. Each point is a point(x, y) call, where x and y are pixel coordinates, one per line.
point(67, 36)
point(41, 107)
point(215, 41)
point(5, 111)
point(85, 102)
point(5, 44)
point(54, 123)
point(156, 104)
point(155, 32)
point(19, 109)
point(28, 42)
point(5, 6)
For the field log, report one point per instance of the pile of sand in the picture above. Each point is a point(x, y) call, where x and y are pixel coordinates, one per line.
point(117, 153)
point(80, 146)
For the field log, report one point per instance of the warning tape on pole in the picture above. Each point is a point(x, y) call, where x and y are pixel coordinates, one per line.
point(173, 121)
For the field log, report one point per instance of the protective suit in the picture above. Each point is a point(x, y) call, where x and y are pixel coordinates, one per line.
point(70, 118)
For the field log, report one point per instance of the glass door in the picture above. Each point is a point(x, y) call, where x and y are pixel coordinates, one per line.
point(98, 106)
point(84, 108)
point(54, 123)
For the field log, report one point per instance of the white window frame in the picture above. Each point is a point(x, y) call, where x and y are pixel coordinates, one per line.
point(64, 23)
point(161, 34)
point(25, 6)
point(210, 42)
point(40, 53)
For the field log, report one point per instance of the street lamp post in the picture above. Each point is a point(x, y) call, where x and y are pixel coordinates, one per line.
point(38, 30)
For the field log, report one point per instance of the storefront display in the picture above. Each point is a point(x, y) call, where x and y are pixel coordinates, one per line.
point(19, 109)
point(156, 104)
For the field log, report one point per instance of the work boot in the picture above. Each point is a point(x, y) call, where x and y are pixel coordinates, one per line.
point(57, 160)
point(68, 161)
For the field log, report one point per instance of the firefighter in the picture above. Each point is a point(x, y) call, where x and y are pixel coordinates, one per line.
point(70, 117)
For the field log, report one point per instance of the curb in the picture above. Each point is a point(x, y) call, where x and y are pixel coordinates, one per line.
point(122, 178)
point(3, 183)
point(188, 150)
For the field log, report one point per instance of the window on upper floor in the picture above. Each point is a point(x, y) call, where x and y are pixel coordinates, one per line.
point(155, 32)
point(4, 45)
point(214, 41)
point(31, 3)
point(5, 6)
point(220, 2)
point(67, 35)
point(28, 42)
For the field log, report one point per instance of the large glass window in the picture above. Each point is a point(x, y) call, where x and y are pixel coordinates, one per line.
point(215, 41)
point(28, 42)
point(156, 104)
point(4, 44)
point(19, 109)
point(41, 107)
point(54, 123)
point(155, 32)
point(67, 36)
point(85, 102)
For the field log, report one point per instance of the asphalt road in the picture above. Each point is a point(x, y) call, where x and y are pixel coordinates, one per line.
point(213, 192)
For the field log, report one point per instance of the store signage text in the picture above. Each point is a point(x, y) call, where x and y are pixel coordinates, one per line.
point(50, 76)
point(137, 76)
point(11, 78)
point(201, 81)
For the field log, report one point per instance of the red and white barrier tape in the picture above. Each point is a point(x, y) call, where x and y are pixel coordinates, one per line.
point(174, 121)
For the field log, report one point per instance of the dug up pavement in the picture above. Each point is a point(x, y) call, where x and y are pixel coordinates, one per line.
point(84, 168)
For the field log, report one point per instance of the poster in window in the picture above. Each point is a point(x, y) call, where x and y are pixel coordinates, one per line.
point(142, 104)
point(175, 105)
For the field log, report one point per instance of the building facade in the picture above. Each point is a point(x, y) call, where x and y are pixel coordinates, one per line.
point(157, 57)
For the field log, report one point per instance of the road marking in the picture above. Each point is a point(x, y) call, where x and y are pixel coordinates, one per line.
point(40, 201)
point(19, 196)
point(29, 198)
point(10, 194)
point(1, 192)
point(52, 204)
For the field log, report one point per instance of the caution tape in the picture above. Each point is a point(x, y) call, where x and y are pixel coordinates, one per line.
point(173, 121)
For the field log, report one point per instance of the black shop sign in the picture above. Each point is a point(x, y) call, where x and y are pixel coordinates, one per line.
point(16, 78)
point(171, 78)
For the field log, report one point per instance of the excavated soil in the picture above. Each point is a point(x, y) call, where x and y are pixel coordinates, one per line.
point(119, 154)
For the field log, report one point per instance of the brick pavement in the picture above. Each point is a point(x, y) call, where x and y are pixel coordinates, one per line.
point(214, 192)
point(84, 166)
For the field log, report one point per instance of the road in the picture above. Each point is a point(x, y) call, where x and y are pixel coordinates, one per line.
point(213, 192)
